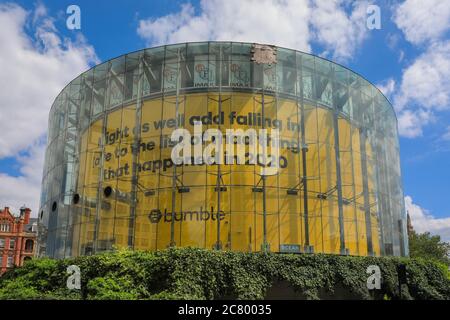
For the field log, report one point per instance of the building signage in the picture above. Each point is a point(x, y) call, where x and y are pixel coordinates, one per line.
point(204, 72)
point(290, 248)
point(239, 74)
point(156, 215)
point(272, 77)
point(170, 75)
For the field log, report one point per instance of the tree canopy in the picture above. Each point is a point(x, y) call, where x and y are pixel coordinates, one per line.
point(429, 247)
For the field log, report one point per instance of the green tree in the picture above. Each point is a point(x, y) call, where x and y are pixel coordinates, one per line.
point(426, 246)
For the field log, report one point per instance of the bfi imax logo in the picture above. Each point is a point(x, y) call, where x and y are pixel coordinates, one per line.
point(238, 146)
point(201, 215)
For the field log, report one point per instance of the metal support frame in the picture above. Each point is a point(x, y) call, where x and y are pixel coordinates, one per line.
point(134, 176)
point(304, 163)
point(174, 172)
point(218, 245)
point(362, 142)
point(101, 165)
point(343, 249)
point(265, 245)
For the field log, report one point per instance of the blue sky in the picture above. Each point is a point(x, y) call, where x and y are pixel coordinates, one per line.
point(409, 57)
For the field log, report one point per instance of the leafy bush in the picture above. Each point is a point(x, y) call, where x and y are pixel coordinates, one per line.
point(188, 273)
point(430, 247)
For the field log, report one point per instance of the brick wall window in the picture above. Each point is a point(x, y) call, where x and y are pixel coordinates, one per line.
point(29, 245)
point(9, 264)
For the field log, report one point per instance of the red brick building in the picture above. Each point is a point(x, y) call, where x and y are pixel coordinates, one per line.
point(17, 238)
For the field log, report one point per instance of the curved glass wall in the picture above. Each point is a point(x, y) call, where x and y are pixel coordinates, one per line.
point(109, 180)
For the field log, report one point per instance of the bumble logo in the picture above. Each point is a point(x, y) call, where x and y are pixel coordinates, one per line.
point(201, 215)
point(155, 216)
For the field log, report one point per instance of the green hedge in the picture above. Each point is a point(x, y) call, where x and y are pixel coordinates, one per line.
point(188, 273)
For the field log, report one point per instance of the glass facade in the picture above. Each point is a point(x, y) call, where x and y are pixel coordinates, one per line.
point(109, 180)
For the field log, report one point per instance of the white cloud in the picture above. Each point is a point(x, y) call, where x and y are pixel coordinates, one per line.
point(387, 87)
point(411, 123)
point(284, 23)
point(423, 21)
point(423, 221)
point(446, 135)
point(401, 55)
point(339, 32)
point(426, 81)
point(34, 70)
point(424, 89)
point(24, 189)
point(35, 66)
point(289, 23)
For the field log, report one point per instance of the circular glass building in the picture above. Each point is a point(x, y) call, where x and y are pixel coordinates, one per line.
point(110, 179)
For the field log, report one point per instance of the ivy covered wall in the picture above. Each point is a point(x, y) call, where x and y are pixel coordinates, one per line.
point(187, 273)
